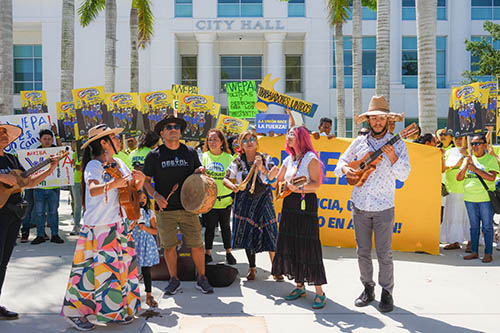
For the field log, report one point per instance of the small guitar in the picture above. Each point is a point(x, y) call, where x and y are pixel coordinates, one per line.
point(128, 196)
point(365, 166)
point(282, 189)
point(22, 179)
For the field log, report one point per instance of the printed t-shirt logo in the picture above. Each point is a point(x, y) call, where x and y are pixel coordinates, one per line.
point(216, 170)
point(174, 163)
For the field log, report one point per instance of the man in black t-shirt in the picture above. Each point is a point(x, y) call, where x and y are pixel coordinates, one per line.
point(168, 165)
point(10, 222)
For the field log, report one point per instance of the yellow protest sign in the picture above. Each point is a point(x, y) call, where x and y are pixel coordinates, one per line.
point(417, 202)
point(155, 105)
point(197, 111)
point(66, 121)
point(122, 111)
point(182, 89)
point(90, 107)
point(231, 126)
point(34, 101)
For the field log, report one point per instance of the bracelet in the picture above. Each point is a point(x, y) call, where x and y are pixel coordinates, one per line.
point(270, 181)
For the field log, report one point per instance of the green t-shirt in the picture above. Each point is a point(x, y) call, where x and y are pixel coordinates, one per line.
point(216, 167)
point(77, 174)
point(452, 184)
point(124, 157)
point(139, 155)
point(443, 175)
point(473, 189)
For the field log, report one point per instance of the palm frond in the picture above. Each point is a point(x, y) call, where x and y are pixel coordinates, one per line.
point(89, 10)
point(338, 11)
point(146, 21)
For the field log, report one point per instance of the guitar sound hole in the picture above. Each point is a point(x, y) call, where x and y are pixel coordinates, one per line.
point(362, 165)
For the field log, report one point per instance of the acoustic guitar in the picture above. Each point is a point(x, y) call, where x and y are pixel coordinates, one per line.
point(128, 196)
point(282, 190)
point(365, 166)
point(22, 179)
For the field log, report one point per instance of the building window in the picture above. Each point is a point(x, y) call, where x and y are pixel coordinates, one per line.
point(239, 8)
point(410, 62)
point(293, 71)
point(474, 59)
point(348, 127)
point(408, 11)
point(183, 8)
point(485, 9)
point(27, 67)
point(369, 58)
point(240, 68)
point(189, 71)
point(366, 13)
point(296, 8)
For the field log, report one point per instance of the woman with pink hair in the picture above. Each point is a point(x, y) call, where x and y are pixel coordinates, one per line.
point(298, 249)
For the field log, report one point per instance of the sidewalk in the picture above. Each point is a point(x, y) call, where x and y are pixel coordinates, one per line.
point(432, 294)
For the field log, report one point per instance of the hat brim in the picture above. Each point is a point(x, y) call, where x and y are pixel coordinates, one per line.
point(159, 126)
point(364, 116)
point(13, 132)
point(111, 131)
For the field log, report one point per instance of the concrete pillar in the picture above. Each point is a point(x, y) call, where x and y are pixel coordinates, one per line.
point(457, 57)
point(206, 63)
point(275, 60)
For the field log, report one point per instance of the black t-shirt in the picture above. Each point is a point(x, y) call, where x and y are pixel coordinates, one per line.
point(9, 162)
point(169, 167)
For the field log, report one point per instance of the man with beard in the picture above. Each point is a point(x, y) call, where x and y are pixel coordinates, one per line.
point(373, 211)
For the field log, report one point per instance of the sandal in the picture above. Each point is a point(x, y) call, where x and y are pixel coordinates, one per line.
point(322, 301)
point(278, 278)
point(296, 293)
point(150, 301)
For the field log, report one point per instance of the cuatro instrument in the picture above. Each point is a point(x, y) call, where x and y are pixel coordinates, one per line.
point(365, 166)
point(198, 194)
point(128, 196)
point(282, 189)
point(22, 179)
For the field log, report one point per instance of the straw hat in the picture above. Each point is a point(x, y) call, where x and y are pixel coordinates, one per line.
point(100, 131)
point(170, 119)
point(378, 107)
point(13, 132)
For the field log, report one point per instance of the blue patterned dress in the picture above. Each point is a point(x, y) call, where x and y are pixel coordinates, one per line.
point(145, 243)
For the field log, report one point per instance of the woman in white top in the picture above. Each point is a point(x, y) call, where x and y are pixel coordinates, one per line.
point(298, 250)
point(103, 281)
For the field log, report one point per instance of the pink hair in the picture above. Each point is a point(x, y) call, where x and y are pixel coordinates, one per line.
point(303, 144)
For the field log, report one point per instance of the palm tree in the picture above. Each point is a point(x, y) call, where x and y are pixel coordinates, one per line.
point(383, 69)
point(6, 58)
point(67, 49)
point(338, 14)
point(357, 63)
point(426, 57)
point(141, 32)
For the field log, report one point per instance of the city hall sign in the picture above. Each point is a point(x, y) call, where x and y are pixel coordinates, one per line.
point(239, 25)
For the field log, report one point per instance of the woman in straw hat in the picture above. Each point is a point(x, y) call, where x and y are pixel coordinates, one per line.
point(103, 280)
point(10, 220)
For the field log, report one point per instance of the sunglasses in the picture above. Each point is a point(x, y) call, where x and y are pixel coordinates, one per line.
point(172, 127)
point(362, 133)
point(251, 140)
point(475, 144)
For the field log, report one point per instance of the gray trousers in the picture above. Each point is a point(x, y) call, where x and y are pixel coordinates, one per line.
point(381, 224)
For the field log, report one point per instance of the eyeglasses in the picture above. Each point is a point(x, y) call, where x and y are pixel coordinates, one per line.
point(251, 140)
point(475, 144)
point(171, 127)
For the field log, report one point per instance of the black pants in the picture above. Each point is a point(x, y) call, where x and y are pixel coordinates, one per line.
point(220, 217)
point(9, 228)
point(146, 275)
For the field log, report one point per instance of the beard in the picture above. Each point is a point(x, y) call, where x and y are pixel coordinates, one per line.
point(381, 132)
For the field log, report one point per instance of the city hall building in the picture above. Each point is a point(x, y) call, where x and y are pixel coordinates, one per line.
point(210, 42)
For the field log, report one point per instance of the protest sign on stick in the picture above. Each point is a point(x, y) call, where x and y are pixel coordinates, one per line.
point(31, 124)
point(231, 126)
point(241, 99)
point(467, 110)
point(196, 111)
point(66, 121)
point(90, 108)
point(155, 106)
point(276, 123)
point(182, 89)
point(123, 111)
point(34, 101)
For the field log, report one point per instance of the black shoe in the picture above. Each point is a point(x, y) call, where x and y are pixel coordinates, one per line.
point(38, 240)
point(366, 297)
point(25, 237)
point(386, 303)
point(45, 237)
point(208, 258)
point(173, 287)
point(56, 239)
point(7, 315)
point(230, 259)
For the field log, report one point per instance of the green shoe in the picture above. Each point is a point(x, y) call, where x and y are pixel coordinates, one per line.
point(322, 301)
point(296, 293)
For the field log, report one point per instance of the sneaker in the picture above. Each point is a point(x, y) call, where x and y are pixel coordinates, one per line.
point(204, 286)
point(38, 240)
point(174, 285)
point(25, 237)
point(7, 315)
point(125, 321)
point(208, 258)
point(56, 239)
point(230, 259)
point(75, 232)
point(80, 323)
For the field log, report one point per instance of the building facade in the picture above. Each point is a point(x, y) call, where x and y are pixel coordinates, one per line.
point(210, 42)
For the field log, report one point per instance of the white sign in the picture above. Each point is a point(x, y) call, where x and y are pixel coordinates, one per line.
point(31, 125)
point(62, 175)
point(239, 25)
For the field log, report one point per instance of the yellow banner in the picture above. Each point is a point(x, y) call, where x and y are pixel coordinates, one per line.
point(66, 120)
point(34, 101)
point(417, 203)
point(231, 126)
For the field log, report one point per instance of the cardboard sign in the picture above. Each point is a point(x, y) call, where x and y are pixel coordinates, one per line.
point(241, 99)
point(231, 126)
point(90, 109)
point(61, 176)
point(31, 125)
point(267, 95)
point(277, 123)
point(467, 109)
point(34, 101)
point(196, 110)
point(155, 106)
point(66, 121)
point(490, 87)
point(122, 111)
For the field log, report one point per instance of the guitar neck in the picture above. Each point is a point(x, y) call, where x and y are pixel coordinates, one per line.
point(378, 152)
point(34, 169)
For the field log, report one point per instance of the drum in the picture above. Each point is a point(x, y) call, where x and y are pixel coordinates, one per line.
point(198, 194)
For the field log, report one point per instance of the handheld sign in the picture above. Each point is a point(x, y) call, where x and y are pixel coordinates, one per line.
point(241, 99)
point(277, 123)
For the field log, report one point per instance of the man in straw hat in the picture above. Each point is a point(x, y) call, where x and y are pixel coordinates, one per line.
point(10, 221)
point(169, 165)
point(373, 211)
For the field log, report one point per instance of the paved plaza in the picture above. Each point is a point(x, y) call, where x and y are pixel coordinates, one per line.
point(432, 294)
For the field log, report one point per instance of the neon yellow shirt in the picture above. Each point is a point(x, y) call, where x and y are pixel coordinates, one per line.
point(77, 174)
point(139, 155)
point(125, 158)
point(474, 191)
point(216, 167)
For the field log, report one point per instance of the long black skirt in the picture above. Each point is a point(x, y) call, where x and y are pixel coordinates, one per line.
point(298, 250)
